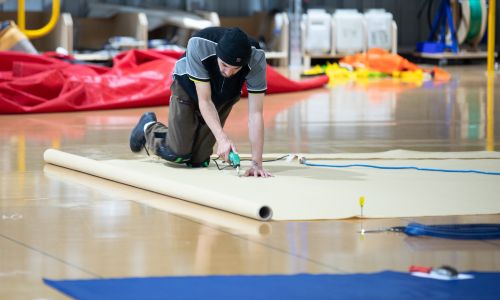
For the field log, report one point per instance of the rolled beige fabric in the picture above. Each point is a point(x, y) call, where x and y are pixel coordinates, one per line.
point(158, 184)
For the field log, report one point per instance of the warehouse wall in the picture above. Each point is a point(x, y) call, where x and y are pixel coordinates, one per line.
point(412, 28)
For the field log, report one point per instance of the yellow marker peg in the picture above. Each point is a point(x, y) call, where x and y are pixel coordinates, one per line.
point(362, 204)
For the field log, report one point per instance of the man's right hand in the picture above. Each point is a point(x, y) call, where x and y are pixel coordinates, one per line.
point(224, 146)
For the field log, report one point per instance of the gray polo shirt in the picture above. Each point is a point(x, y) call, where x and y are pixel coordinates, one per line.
point(199, 63)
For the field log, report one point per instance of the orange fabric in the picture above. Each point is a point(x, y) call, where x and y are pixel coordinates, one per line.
point(380, 60)
point(440, 75)
point(383, 61)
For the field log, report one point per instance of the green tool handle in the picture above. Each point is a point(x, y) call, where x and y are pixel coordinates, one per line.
point(234, 159)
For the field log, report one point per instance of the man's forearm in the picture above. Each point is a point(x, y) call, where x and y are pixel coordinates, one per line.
point(256, 132)
point(208, 110)
point(211, 117)
point(256, 126)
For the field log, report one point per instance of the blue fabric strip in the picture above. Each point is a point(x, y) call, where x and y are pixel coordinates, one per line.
point(384, 285)
point(456, 231)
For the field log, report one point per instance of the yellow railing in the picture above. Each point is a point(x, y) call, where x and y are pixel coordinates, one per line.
point(36, 33)
point(491, 37)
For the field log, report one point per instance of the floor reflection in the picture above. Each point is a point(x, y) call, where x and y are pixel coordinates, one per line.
point(62, 226)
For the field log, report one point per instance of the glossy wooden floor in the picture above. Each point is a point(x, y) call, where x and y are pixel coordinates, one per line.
point(60, 224)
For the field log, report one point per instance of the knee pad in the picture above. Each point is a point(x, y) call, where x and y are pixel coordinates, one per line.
point(203, 164)
point(166, 153)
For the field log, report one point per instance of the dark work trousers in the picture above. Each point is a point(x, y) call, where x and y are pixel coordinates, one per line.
point(187, 136)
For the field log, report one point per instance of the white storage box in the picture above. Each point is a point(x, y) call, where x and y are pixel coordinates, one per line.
point(379, 29)
point(349, 31)
point(318, 31)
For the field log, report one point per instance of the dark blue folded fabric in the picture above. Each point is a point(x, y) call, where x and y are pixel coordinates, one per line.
point(455, 231)
point(384, 285)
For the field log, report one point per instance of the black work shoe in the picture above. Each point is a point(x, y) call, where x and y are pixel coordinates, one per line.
point(137, 138)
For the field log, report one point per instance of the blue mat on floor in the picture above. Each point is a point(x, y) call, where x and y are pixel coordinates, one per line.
point(383, 285)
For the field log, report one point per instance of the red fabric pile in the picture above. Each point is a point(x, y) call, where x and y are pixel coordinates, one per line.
point(138, 78)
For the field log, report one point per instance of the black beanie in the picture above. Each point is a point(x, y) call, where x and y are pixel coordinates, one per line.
point(234, 47)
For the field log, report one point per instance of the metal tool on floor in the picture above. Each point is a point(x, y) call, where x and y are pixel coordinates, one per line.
point(445, 271)
point(448, 231)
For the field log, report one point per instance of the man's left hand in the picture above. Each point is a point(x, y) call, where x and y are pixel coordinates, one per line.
point(257, 171)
